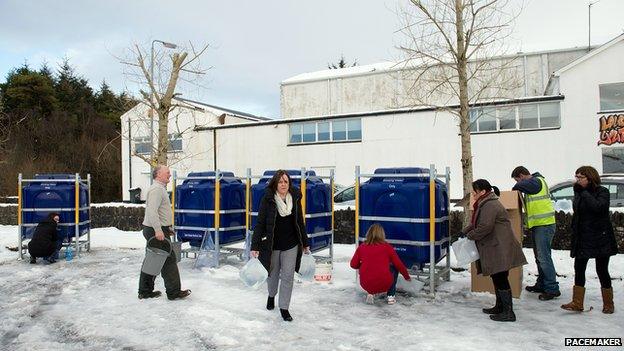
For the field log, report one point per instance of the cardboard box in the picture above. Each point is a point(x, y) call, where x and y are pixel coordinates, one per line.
point(512, 201)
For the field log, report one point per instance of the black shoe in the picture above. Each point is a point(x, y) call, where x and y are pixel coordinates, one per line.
point(534, 288)
point(149, 295)
point(270, 303)
point(287, 317)
point(51, 260)
point(182, 294)
point(33, 260)
point(507, 314)
point(545, 296)
point(498, 307)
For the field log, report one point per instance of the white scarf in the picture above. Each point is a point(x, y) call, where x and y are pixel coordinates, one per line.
point(284, 207)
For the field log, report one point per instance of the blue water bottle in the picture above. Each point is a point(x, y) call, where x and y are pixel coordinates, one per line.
point(69, 253)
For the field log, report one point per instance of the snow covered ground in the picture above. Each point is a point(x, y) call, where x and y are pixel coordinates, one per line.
point(91, 303)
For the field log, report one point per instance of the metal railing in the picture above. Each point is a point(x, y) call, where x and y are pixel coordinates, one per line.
point(77, 181)
point(430, 273)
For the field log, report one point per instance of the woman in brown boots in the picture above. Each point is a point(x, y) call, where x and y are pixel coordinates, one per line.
point(592, 237)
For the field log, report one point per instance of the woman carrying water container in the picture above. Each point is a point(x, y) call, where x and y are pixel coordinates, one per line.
point(279, 238)
point(499, 251)
point(592, 237)
point(379, 265)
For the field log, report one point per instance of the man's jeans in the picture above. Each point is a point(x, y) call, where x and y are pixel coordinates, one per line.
point(542, 240)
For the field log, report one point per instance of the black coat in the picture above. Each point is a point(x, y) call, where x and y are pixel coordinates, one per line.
point(262, 239)
point(592, 231)
point(43, 242)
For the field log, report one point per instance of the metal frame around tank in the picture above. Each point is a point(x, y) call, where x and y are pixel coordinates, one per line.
point(78, 244)
point(216, 229)
point(430, 273)
point(303, 176)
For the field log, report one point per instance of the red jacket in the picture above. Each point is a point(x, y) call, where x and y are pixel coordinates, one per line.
point(373, 261)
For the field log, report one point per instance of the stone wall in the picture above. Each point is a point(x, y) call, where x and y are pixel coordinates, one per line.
point(130, 218)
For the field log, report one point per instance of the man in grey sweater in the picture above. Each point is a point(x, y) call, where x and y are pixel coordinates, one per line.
point(157, 223)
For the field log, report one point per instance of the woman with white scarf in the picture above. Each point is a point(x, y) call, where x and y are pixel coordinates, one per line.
point(280, 238)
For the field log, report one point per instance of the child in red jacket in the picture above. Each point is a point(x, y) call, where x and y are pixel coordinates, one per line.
point(379, 265)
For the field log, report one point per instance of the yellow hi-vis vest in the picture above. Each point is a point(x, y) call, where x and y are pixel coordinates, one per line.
point(539, 207)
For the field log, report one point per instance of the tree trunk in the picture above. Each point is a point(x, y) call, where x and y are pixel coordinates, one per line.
point(464, 119)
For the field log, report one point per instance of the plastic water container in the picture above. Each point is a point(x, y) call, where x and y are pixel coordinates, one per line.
point(465, 251)
point(308, 267)
point(253, 274)
point(323, 272)
point(69, 253)
point(401, 207)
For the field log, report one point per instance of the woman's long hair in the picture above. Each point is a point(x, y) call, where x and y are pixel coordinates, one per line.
point(276, 178)
point(593, 178)
point(375, 234)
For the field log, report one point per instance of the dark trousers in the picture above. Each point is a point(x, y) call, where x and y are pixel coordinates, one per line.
point(169, 271)
point(602, 269)
point(501, 280)
point(395, 276)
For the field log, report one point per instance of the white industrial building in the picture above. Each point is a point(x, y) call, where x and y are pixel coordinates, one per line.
point(337, 119)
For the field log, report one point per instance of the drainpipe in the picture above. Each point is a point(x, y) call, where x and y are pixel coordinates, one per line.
point(129, 156)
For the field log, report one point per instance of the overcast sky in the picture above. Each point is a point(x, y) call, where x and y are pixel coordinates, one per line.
point(255, 44)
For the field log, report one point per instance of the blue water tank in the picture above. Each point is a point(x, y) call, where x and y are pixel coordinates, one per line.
point(196, 196)
point(54, 196)
point(401, 206)
point(318, 206)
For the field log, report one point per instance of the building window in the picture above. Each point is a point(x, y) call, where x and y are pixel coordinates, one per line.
point(295, 133)
point(354, 129)
point(611, 96)
point(325, 131)
point(175, 143)
point(544, 115)
point(613, 160)
point(142, 145)
point(528, 116)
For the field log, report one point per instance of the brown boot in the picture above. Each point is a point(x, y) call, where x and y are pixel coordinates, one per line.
point(607, 301)
point(578, 295)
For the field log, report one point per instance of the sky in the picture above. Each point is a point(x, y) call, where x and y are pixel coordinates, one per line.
point(254, 45)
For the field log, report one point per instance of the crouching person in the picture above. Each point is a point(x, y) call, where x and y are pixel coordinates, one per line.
point(499, 251)
point(46, 242)
point(379, 265)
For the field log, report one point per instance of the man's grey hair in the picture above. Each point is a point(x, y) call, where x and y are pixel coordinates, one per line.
point(156, 170)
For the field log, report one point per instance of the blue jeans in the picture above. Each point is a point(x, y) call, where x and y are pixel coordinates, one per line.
point(395, 275)
point(542, 240)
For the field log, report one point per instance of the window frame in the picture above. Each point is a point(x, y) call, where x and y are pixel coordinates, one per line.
point(331, 130)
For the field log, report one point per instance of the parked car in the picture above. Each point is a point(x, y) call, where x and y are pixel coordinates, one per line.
point(345, 198)
point(615, 184)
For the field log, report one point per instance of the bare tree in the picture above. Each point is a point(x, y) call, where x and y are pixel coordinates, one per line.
point(452, 55)
point(159, 77)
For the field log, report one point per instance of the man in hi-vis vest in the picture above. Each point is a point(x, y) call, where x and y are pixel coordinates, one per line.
point(540, 220)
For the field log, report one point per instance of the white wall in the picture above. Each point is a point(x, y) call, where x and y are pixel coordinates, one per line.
point(382, 89)
point(579, 84)
point(197, 154)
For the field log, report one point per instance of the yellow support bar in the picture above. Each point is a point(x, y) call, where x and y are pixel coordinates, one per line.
point(432, 209)
point(357, 211)
point(332, 202)
point(77, 202)
point(303, 196)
